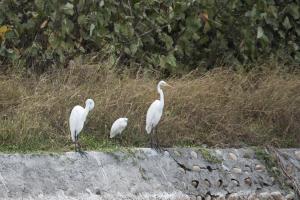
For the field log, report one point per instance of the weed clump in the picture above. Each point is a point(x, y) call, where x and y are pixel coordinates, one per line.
point(209, 156)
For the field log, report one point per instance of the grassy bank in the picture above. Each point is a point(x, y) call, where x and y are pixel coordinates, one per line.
point(219, 108)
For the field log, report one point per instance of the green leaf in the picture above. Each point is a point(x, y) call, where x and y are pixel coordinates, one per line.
point(127, 51)
point(193, 22)
point(53, 41)
point(260, 32)
point(295, 46)
point(167, 40)
point(206, 27)
point(272, 21)
point(171, 60)
point(82, 19)
point(294, 10)
point(297, 57)
point(101, 4)
point(126, 30)
point(134, 47)
point(162, 61)
point(68, 8)
point(282, 34)
point(273, 11)
point(298, 31)
point(203, 39)
point(92, 27)
point(39, 4)
point(117, 27)
point(67, 26)
point(195, 36)
point(286, 23)
point(80, 5)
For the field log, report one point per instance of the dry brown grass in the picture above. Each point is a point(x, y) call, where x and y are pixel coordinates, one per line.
point(220, 108)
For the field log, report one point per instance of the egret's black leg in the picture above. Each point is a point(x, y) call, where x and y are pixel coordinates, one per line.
point(115, 140)
point(75, 142)
point(120, 140)
point(82, 153)
point(158, 147)
point(151, 140)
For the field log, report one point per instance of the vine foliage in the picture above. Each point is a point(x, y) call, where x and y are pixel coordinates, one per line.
point(171, 35)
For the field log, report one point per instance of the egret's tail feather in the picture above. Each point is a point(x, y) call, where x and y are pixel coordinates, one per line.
point(148, 129)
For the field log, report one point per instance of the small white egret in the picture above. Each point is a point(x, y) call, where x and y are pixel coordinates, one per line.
point(154, 113)
point(77, 119)
point(118, 127)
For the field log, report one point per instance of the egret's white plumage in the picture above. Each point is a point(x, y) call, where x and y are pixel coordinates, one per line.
point(118, 127)
point(78, 117)
point(154, 114)
point(155, 110)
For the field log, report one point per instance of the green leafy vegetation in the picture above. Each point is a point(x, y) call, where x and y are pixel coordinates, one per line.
point(268, 160)
point(209, 155)
point(271, 166)
point(172, 36)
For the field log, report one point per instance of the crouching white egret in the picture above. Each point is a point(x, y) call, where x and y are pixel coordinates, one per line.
point(118, 127)
point(77, 119)
point(154, 114)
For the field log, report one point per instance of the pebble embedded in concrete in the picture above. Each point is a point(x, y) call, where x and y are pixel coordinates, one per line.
point(252, 197)
point(290, 196)
point(277, 195)
point(195, 183)
point(193, 198)
point(194, 154)
point(236, 183)
point(233, 196)
point(259, 168)
point(166, 153)
point(221, 198)
point(265, 196)
point(181, 169)
point(236, 170)
point(207, 197)
point(248, 181)
point(196, 168)
point(232, 156)
point(207, 183)
point(199, 198)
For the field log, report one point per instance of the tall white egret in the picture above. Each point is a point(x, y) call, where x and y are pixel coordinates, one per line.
point(118, 127)
point(154, 113)
point(77, 119)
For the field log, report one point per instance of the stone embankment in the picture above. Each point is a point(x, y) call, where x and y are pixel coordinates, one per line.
point(181, 173)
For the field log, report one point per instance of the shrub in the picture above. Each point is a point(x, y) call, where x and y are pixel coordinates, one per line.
point(171, 36)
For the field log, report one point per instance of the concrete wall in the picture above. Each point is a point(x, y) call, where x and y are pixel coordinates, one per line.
point(143, 174)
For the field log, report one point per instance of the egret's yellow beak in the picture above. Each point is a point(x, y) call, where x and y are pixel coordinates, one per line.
point(169, 85)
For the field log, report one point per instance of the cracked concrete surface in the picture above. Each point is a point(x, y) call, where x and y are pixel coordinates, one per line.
point(181, 173)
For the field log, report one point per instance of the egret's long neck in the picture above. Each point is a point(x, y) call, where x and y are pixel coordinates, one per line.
point(86, 111)
point(161, 94)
